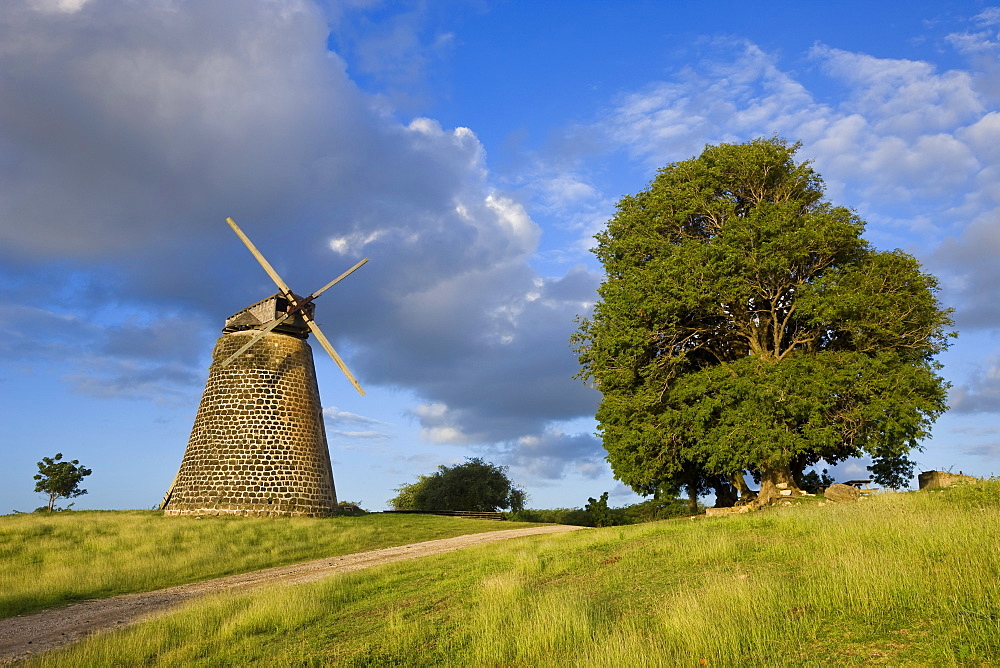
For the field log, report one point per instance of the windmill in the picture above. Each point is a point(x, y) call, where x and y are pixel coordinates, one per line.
point(258, 445)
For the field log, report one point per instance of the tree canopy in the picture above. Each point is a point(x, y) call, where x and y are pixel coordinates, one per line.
point(475, 485)
point(60, 479)
point(744, 325)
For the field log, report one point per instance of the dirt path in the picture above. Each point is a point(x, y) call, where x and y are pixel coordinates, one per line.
point(21, 637)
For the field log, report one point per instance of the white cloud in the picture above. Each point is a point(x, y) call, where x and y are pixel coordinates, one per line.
point(334, 415)
point(445, 436)
point(370, 435)
point(987, 451)
point(896, 137)
point(434, 411)
point(143, 145)
point(901, 97)
point(438, 425)
point(968, 262)
point(397, 49)
point(515, 220)
point(354, 243)
point(982, 393)
point(64, 6)
point(139, 113)
point(552, 455)
point(727, 100)
point(165, 383)
point(128, 358)
point(912, 149)
point(989, 16)
point(983, 137)
point(940, 163)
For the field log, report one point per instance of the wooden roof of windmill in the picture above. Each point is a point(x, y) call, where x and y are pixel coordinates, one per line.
point(259, 315)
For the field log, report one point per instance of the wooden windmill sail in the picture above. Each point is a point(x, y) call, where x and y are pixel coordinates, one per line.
point(258, 445)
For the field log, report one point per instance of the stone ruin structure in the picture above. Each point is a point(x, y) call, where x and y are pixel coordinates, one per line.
point(258, 446)
point(933, 479)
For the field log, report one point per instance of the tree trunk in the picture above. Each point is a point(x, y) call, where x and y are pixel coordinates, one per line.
point(773, 481)
point(746, 494)
point(693, 499)
point(798, 469)
point(725, 494)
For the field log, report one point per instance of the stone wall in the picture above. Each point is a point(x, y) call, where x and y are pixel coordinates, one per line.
point(258, 446)
point(941, 479)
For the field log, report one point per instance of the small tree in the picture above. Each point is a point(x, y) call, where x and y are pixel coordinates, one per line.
point(475, 485)
point(598, 511)
point(814, 482)
point(60, 479)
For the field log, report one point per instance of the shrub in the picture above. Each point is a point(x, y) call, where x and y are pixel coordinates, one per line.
point(475, 485)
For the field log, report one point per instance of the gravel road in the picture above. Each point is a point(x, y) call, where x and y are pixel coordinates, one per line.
point(24, 636)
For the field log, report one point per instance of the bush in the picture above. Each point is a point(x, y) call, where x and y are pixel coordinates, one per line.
point(350, 509)
point(475, 485)
point(652, 510)
point(598, 513)
point(572, 516)
point(649, 510)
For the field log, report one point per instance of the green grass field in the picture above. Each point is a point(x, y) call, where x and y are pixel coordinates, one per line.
point(49, 560)
point(896, 579)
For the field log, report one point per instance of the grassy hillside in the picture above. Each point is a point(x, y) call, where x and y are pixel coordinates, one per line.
point(898, 579)
point(48, 560)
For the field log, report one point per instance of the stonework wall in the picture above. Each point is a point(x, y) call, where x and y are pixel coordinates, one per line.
point(258, 446)
point(932, 479)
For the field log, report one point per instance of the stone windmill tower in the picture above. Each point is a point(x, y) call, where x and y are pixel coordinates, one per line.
point(258, 446)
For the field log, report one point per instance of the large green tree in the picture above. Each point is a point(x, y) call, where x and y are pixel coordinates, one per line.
point(475, 485)
point(744, 325)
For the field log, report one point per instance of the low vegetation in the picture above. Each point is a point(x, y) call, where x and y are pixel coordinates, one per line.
point(476, 485)
point(51, 559)
point(895, 579)
point(596, 513)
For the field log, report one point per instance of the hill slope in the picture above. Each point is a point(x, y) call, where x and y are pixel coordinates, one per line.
point(49, 560)
point(897, 579)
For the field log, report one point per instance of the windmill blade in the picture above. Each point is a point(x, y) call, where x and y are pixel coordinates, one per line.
point(338, 279)
point(296, 301)
point(333, 353)
point(260, 258)
point(255, 338)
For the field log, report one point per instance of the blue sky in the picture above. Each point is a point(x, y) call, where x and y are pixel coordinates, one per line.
point(471, 149)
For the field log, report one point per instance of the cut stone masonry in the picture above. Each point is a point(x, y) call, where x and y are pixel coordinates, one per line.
point(258, 446)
